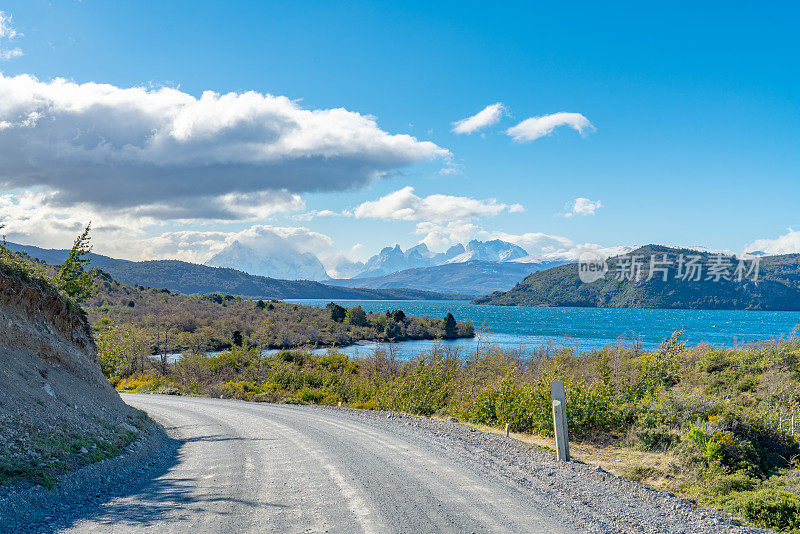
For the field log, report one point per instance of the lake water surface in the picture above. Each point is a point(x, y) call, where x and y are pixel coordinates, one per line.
point(583, 328)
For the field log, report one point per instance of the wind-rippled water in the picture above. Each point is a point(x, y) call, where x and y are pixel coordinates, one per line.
point(583, 328)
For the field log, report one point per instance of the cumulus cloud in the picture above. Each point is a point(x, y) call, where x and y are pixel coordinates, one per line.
point(29, 218)
point(8, 33)
point(136, 149)
point(536, 127)
point(788, 243)
point(198, 245)
point(405, 205)
point(438, 236)
point(582, 206)
point(486, 117)
point(266, 238)
point(442, 219)
point(536, 243)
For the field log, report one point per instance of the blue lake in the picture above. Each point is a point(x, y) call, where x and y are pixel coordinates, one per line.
point(583, 328)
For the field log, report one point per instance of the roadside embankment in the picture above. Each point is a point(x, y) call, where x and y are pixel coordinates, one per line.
point(58, 413)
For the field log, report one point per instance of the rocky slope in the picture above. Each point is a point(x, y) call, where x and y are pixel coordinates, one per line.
point(57, 411)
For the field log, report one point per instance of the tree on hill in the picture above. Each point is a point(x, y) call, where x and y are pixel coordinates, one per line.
point(450, 327)
point(73, 278)
point(392, 329)
point(237, 338)
point(356, 316)
point(338, 313)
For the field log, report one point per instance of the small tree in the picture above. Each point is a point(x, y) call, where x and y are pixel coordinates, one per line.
point(237, 338)
point(450, 327)
point(392, 329)
point(73, 278)
point(356, 316)
point(338, 313)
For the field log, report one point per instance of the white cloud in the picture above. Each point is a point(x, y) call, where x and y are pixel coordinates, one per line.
point(265, 238)
point(137, 148)
point(30, 218)
point(582, 206)
point(536, 243)
point(486, 117)
point(443, 220)
point(7, 33)
point(450, 170)
point(313, 214)
point(10, 53)
point(788, 243)
point(405, 205)
point(544, 247)
point(439, 236)
point(198, 246)
point(536, 127)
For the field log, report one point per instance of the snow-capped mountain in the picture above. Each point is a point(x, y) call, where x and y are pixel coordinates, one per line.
point(393, 259)
point(284, 263)
point(494, 250)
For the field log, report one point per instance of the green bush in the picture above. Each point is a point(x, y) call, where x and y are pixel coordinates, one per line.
point(724, 485)
point(769, 508)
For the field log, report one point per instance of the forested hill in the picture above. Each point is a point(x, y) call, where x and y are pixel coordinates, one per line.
point(191, 278)
point(777, 286)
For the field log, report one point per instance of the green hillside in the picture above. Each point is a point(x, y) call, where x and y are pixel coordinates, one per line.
point(777, 286)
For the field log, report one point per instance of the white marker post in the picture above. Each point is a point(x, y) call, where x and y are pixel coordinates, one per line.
point(559, 398)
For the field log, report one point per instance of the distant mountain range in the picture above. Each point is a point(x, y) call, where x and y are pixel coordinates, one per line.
point(283, 261)
point(188, 278)
point(392, 259)
point(777, 286)
point(477, 268)
point(471, 277)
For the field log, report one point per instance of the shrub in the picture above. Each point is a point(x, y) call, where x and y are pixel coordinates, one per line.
point(356, 316)
point(722, 485)
point(769, 508)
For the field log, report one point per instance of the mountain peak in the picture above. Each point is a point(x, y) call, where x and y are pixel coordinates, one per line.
point(391, 260)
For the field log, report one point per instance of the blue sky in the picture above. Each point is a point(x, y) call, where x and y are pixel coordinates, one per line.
point(695, 109)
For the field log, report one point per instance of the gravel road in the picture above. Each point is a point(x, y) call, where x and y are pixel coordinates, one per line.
point(246, 467)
